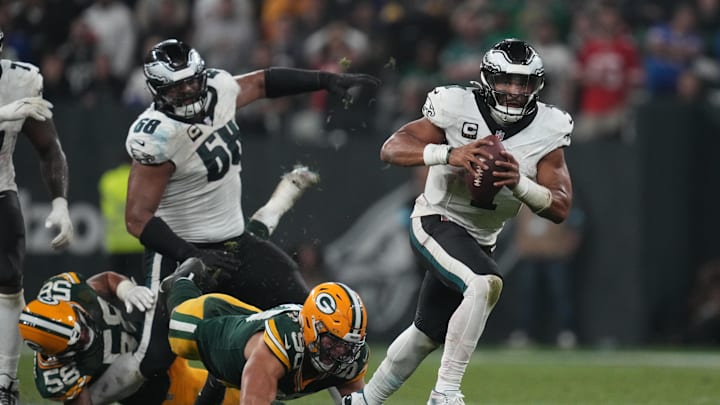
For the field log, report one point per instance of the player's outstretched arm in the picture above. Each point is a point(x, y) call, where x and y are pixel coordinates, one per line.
point(111, 285)
point(54, 170)
point(261, 373)
point(279, 82)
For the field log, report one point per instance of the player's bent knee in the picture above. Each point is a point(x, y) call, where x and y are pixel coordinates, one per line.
point(495, 284)
point(488, 286)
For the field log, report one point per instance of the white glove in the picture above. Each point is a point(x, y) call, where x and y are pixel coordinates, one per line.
point(60, 218)
point(33, 107)
point(135, 296)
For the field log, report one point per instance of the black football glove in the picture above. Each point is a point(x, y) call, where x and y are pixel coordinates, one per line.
point(220, 265)
point(340, 83)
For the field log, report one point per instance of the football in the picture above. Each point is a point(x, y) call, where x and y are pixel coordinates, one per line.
point(480, 183)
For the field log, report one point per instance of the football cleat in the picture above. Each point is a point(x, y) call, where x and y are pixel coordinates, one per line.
point(192, 269)
point(302, 177)
point(446, 398)
point(9, 394)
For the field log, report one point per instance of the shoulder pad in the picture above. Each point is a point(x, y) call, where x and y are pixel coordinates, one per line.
point(276, 341)
point(222, 79)
point(70, 276)
point(149, 138)
point(22, 75)
point(558, 122)
point(442, 102)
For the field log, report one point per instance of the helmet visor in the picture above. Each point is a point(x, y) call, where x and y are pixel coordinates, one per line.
point(334, 350)
point(183, 92)
point(513, 90)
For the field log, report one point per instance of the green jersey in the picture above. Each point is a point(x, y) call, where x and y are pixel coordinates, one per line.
point(221, 343)
point(64, 376)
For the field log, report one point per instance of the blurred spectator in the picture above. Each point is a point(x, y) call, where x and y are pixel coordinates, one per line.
point(671, 48)
point(267, 116)
point(460, 59)
point(113, 26)
point(543, 276)
point(78, 55)
point(45, 23)
point(163, 18)
point(704, 306)
point(104, 88)
point(558, 60)
point(308, 16)
point(224, 32)
point(55, 84)
point(136, 94)
point(608, 71)
point(708, 24)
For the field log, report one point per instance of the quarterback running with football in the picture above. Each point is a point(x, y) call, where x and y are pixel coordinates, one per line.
point(184, 188)
point(23, 110)
point(454, 240)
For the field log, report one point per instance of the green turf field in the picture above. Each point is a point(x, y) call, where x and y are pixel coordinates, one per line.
point(499, 376)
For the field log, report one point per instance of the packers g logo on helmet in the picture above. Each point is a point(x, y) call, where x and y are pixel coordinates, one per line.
point(50, 328)
point(334, 323)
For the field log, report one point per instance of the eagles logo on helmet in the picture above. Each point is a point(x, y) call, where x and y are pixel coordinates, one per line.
point(176, 76)
point(511, 63)
point(334, 323)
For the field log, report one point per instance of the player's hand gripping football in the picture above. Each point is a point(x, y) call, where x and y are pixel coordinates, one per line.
point(59, 218)
point(471, 154)
point(511, 175)
point(33, 107)
point(341, 83)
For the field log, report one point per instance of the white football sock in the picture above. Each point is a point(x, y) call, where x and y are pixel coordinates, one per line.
point(404, 355)
point(464, 330)
point(10, 307)
point(288, 191)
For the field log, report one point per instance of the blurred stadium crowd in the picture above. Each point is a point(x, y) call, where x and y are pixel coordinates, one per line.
point(600, 57)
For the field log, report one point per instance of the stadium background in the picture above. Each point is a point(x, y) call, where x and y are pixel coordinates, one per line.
point(648, 190)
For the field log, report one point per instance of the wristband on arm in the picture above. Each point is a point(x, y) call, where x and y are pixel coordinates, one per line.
point(434, 154)
point(281, 82)
point(158, 236)
point(535, 196)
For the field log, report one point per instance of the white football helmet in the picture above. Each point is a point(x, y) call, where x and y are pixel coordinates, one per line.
point(177, 79)
point(511, 62)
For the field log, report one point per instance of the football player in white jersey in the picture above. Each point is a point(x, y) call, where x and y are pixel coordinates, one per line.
point(454, 240)
point(184, 188)
point(23, 110)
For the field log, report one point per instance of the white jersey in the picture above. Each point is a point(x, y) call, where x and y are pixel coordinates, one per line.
point(202, 200)
point(17, 80)
point(456, 111)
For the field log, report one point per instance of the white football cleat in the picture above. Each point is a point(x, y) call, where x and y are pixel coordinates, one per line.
point(302, 177)
point(446, 398)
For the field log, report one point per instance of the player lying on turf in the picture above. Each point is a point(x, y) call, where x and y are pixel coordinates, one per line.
point(115, 375)
point(282, 353)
